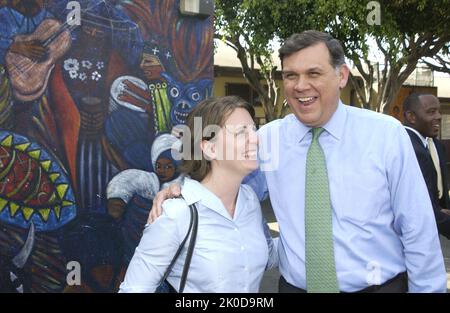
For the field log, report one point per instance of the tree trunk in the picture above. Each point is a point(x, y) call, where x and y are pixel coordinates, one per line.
point(393, 84)
point(253, 78)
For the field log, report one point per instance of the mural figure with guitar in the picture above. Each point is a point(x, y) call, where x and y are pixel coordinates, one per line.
point(19, 18)
point(66, 130)
point(51, 108)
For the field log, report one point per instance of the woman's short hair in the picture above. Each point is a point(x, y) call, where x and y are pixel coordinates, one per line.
point(212, 111)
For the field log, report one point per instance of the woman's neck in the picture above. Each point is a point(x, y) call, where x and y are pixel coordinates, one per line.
point(225, 186)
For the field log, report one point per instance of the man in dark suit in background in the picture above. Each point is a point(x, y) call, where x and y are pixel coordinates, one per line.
point(422, 122)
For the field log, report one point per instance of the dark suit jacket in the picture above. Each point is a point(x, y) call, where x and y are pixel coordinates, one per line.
point(430, 176)
point(444, 201)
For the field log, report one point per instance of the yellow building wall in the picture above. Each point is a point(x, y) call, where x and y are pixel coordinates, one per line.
point(220, 86)
point(221, 81)
point(345, 94)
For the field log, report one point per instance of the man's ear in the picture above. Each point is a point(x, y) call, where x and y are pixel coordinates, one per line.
point(209, 150)
point(344, 72)
point(410, 117)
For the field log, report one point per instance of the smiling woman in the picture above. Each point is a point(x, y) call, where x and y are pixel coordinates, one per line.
point(229, 113)
point(233, 246)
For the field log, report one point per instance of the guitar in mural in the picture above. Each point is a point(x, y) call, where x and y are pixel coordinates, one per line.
point(29, 77)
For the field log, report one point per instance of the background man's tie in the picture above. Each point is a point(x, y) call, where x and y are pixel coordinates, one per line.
point(320, 263)
point(435, 158)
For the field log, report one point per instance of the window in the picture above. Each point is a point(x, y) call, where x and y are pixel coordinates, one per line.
point(242, 90)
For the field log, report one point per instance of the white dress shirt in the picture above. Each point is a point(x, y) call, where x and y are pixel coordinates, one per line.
point(383, 221)
point(230, 254)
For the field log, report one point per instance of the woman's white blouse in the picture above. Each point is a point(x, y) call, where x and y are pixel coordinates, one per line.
point(230, 254)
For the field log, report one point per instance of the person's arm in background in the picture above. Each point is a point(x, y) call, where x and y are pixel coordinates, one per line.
point(257, 181)
point(127, 183)
point(443, 220)
point(442, 209)
point(272, 243)
point(414, 220)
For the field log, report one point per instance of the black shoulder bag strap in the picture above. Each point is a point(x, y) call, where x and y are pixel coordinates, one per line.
point(193, 225)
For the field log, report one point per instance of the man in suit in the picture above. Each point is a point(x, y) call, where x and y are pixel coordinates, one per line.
point(422, 122)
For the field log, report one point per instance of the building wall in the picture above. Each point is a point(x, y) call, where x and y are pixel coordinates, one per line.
point(121, 80)
point(397, 107)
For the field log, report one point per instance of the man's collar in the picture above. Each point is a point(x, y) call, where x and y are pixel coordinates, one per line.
point(422, 138)
point(335, 126)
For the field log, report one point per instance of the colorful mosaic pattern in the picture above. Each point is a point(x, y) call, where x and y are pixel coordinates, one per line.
point(33, 187)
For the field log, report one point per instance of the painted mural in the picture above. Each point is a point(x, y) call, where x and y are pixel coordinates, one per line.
point(86, 113)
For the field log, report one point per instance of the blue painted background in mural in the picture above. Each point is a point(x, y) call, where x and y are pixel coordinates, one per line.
point(85, 111)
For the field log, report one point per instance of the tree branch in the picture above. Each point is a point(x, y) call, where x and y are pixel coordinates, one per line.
point(360, 68)
point(359, 92)
point(445, 65)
